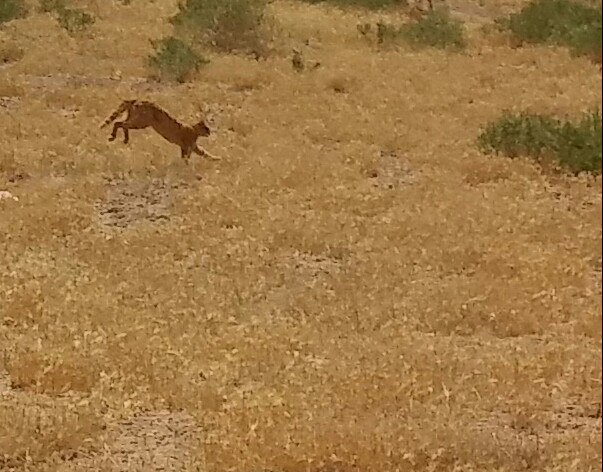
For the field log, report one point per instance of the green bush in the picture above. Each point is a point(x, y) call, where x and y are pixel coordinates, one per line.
point(174, 60)
point(370, 4)
point(227, 25)
point(11, 10)
point(575, 146)
point(560, 22)
point(436, 29)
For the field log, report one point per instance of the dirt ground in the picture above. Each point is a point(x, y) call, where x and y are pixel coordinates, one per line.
point(353, 287)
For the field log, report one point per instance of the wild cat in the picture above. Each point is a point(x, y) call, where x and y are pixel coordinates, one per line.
point(142, 114)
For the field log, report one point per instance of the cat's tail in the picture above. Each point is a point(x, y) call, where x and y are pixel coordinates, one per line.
point(124, 106)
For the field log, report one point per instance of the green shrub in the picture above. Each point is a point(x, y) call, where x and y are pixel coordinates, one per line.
point(174, 60)
point(575, 146)
point(370, 4)
point(436, 29)
point(560, 22)
point(74, 20)
point(11, 10)
point(228, 25)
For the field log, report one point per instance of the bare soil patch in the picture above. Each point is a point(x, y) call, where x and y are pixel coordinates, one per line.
point(129, 202)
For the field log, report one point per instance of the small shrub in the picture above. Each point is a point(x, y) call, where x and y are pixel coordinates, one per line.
point(523, 134)
point(580, 144)
point(560, 22)
point(50, 6)
point(174, 60)
point(436, 29)
point(74, 20)
point(575, 146)
point(11, 10)
point(228, 25)
point(370, 4)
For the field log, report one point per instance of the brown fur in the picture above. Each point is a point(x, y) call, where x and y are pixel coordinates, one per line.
point(142, 114)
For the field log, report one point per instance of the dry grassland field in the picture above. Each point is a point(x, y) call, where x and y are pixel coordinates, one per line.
point(353, 286)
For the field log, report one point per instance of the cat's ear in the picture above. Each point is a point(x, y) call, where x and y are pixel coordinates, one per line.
point(207, 115)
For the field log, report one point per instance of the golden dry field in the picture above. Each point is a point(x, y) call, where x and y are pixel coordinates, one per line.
point(353, 287)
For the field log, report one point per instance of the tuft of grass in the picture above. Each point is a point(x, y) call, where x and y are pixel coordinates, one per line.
point(436, 29)
point(227, 25)
point(369, 4)
point(575, 146)
point(560, 22)
point(174, 60)
point(11, 10)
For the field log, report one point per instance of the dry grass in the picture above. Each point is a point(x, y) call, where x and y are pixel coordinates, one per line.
point(354, 287)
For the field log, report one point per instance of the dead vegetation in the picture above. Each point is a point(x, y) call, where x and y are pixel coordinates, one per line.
point(353, 287)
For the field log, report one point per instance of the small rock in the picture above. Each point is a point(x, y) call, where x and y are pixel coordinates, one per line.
point(5, 194)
